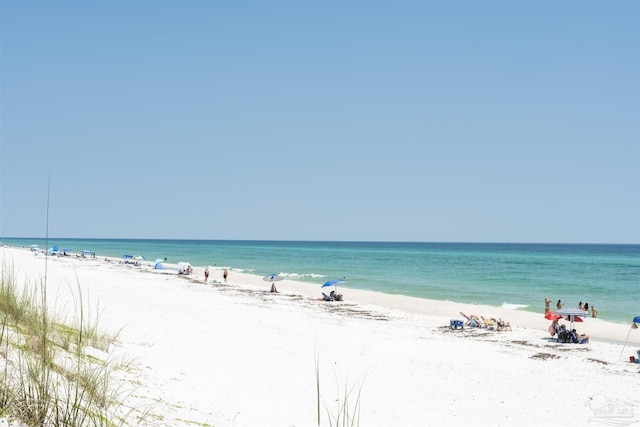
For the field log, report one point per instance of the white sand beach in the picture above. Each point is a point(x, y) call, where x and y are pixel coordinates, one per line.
point(235, 354)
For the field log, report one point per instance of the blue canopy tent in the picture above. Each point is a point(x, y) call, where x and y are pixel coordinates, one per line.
point(634, 325)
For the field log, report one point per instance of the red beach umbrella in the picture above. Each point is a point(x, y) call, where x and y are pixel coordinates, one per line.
point(553, 316)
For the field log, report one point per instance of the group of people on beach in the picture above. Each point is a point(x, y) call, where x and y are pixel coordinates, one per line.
point(561, 332)
point(186, 270)
point(333, 296)
point(225, 274)
point(581, 306)
point(585, 307)
point(567, 336)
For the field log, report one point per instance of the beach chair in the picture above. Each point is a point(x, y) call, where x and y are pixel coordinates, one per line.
point(466, 317)
point(326, 297)
point(503, 325)
point(473, 320)
point(489, 323)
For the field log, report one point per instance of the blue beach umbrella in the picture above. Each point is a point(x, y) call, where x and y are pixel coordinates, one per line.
point(273, 277)
point(634, 325)
point(334, 282)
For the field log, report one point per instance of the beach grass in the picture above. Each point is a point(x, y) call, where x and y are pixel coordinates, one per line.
point(343, 415)
point(57, 369)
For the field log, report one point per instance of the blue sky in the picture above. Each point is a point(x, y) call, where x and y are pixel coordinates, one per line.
point(489, 121)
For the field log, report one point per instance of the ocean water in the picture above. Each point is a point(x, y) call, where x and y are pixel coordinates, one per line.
point(518, 276)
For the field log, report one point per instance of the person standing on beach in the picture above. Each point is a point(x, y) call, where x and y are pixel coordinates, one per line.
point(559, 304)
point(547, 301)
point(225, 273)
point(206, 275)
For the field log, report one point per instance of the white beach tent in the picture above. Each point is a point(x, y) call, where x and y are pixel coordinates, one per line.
point(573, 314)
point(183, 267)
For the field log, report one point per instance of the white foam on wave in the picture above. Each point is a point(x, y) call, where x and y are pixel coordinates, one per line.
point(510, 306)
point(301, 275)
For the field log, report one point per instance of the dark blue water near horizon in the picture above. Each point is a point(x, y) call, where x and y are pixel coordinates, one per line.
point(514, 275)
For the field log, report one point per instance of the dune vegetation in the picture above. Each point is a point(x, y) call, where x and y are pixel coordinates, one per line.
point(56, 369)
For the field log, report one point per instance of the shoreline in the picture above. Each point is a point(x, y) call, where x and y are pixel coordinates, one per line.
point(238, 355)
point(499, 285)
point(598, 329)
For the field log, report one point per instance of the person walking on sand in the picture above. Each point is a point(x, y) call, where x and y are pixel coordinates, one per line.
point(206, 275)
point(225, 273)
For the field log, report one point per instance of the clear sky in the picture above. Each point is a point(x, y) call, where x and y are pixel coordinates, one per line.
point(483, 121)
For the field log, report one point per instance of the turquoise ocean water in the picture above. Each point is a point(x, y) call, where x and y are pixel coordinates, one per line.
point(519, 276)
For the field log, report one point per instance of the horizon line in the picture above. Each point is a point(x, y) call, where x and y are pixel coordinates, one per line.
point(325, 241)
